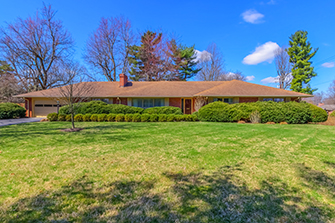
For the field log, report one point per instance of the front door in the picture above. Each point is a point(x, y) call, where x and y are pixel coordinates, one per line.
point(188, 106)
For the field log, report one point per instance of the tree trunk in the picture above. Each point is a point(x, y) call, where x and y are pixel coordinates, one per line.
point(72, 120)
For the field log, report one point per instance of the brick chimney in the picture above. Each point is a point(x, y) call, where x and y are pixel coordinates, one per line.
point(123, 80)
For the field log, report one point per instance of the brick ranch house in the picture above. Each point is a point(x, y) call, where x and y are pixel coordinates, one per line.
point(180, 94)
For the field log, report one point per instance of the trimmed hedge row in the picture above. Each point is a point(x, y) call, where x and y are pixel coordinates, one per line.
point(100, 107)
point(11, 110)
point(123, 117)
point(290, 112)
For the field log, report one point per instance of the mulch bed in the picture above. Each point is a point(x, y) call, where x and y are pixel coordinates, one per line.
point(72, 130)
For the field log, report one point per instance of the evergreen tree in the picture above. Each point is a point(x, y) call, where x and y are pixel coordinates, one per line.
point(145, 60)
point(301, 52)
point(161, 59)
point(184, 59)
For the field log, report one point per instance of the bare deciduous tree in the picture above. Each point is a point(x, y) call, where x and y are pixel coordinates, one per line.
point(228, 76)
point(211, 64)
point(76, 91)
point(37, 48)
point(283, 67)
point(107, 49)
point(330, 98)
point(199, 101)
point(318, 98)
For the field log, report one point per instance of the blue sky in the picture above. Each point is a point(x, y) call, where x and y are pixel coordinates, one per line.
point(239, 28)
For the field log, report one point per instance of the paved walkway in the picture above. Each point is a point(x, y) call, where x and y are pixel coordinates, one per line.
point(4, 122)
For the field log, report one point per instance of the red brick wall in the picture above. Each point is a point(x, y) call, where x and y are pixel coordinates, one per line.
point(243, 100)
point(175, 102)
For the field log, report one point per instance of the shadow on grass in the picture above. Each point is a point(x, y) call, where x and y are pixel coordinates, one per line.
point(195, 197)
point(50, 129)
point(316, 179)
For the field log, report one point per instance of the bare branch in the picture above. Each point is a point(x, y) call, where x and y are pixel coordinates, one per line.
point(37, 47)
point(107, 49)
point(283, 66)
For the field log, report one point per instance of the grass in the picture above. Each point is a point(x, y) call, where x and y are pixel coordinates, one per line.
point(167, 172)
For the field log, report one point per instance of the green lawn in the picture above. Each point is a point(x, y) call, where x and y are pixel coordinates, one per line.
point(167, 172)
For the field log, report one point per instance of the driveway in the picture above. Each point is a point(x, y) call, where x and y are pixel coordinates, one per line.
point(4, 122)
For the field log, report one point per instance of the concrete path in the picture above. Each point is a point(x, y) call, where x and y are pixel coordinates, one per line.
point(4, 122)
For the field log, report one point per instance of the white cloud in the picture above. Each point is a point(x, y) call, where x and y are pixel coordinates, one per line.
point(271, 2)
point(252, 16)
point(328, 64)
point(202, 56)
point(250, 78)
point(269, 80)
point(265, 52)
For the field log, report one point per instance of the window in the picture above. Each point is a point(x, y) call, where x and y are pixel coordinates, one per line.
point(47, 105)
point(279, 99)
point(38, 105)
point(274, 99)
point(226, 100)
point(101, 99)
point(148, 102)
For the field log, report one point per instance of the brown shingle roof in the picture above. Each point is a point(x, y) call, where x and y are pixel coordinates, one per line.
point(176, 89)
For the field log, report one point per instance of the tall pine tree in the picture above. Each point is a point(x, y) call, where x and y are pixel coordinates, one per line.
point(301, 52)
point(184, 60)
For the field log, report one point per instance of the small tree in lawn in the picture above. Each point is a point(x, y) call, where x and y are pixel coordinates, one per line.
point(76, 91)
point(199, 101)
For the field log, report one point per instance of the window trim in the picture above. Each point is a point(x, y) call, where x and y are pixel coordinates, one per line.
point(152, 99)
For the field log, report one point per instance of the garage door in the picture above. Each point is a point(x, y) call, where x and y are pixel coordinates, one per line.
point(44, 109)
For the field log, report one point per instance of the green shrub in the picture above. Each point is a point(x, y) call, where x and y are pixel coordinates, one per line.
point(136, 117)
point(171, 118)
point(296, 113)
point(94, 118)
point(145, 118)
point(162, 118)
point(102, 117)
point(119, 118)
point(318, 114)
point(52, 117)
point(100, 107)
point(271, 111)
point(219, 112)
point(61, 117)
point(87, 117)
point(189, 118)
point(332, 114)
point(196, 113)
point(194, 118)
point(167, 110)
point(111, 117)
point(92, 107)
point(68, 118)
point(123, 109)
point(78, 118)
point(153, 118)
point(179, 118)
point(128, 117)
point(11, 110)
point(245, 110)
